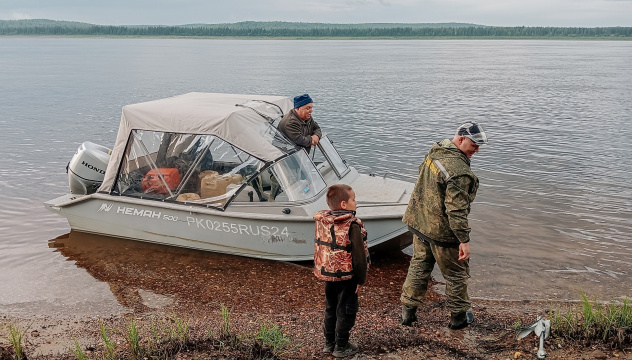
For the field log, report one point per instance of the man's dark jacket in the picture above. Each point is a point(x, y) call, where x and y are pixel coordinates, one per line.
point(299, 131)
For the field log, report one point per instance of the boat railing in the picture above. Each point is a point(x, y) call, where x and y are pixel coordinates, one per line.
point(393, 174)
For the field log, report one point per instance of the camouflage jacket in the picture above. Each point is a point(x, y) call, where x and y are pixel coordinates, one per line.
point(440, 203)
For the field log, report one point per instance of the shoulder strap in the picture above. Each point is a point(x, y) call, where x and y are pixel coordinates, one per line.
point(333, 244)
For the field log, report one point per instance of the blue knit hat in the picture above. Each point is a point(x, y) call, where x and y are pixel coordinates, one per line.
point(302, 100)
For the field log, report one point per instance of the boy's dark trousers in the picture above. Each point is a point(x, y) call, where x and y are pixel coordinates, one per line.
point(341, 307)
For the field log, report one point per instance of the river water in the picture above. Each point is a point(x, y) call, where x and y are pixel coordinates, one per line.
point(553, 215)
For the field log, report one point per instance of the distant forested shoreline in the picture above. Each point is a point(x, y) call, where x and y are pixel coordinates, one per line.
point(252, 29)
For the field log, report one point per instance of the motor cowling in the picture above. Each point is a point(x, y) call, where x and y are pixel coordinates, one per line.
point(86, 169)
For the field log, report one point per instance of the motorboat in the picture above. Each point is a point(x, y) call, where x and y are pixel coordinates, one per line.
point(212, 172)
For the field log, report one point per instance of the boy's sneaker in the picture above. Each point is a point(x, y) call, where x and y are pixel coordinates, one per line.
point(343, 351)
point(329, 348)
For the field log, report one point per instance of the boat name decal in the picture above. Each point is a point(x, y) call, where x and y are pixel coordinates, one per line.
point(105, 207)
point(138, 212)
point(240, 229)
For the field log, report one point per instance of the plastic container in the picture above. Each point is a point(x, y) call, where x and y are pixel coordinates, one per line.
point(153, 184)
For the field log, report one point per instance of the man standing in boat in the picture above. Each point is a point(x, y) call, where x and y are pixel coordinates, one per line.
point(299, 125)
point(437, 216)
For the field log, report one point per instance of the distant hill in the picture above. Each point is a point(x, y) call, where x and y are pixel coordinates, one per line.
point(298, 30)
point(302, 25)
point(41, 22)
point(238, 25)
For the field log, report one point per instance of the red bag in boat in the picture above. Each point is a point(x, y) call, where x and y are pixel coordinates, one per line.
point(153, 184)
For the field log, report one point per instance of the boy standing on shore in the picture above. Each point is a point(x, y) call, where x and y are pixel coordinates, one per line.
point(341, 259)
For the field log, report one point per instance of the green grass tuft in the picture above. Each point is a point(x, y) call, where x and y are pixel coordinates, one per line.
point(79, 352)
point(518, 324)
point(270, 335)
point(610, 323)
point(16, 335)
point(109, 345)
point(133, 340)
point(225, 331)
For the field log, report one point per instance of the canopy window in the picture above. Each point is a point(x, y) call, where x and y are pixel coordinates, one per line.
point(208, 171)
point(202, 169)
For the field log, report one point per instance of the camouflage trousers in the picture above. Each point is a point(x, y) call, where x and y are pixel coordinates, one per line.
point(455, 273)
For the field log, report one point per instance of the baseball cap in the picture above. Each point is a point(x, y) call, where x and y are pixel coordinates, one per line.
point(473, 131)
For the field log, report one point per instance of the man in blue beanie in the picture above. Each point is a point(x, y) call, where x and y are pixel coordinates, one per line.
point(299, 125)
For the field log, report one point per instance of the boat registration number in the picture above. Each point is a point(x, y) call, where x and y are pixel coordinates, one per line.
point(241, 229)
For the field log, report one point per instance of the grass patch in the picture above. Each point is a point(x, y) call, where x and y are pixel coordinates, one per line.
point(273, 338)
point(79, 352)
point(593, 321)
point(109, 345)
point(168, 337)
point(16, 336)
point(225, 330)
point(179, 330)
point(133, 340)
point(517, 325)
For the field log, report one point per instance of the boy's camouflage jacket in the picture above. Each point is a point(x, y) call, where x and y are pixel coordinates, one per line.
point(337, 256)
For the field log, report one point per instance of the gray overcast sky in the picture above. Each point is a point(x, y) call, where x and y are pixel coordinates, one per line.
point(586, 13)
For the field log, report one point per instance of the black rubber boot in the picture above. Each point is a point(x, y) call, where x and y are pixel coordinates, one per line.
point(460, 320)
point(409, 315)
point(344, 351)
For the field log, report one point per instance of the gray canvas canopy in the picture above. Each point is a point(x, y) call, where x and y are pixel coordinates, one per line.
point(200, 113)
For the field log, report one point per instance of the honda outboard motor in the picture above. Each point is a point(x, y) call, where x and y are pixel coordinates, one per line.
point(86, 170)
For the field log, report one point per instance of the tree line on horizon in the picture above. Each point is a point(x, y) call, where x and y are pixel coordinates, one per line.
point(278, 31)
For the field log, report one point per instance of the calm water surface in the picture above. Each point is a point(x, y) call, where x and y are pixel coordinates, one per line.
point(553, 216)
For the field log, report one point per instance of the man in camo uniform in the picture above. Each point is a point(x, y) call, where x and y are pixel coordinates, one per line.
point(437, 216)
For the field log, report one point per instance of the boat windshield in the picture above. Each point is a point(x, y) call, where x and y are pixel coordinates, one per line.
point(294, 178)
point(328, 156)
point(208, 171)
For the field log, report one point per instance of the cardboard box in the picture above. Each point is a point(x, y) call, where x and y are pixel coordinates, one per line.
point(215, 185)
point(206, 173)
point(188, 197)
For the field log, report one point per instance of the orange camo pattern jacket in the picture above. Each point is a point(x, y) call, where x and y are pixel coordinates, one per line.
point(332, 246)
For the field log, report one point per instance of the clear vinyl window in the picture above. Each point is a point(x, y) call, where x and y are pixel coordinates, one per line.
point(199, 169)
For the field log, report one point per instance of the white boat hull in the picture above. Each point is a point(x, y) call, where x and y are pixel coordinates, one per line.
point(272, 235)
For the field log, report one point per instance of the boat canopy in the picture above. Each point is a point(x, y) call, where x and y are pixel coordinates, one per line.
point(244, 121)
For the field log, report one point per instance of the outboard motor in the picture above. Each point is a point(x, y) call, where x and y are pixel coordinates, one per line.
point(86, 170)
